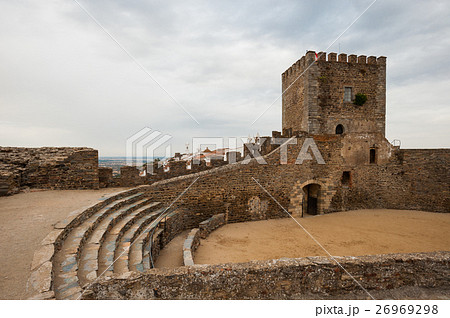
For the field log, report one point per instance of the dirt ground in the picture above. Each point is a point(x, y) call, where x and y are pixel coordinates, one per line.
point(25, 220)
point(361, 232)
point(172, 254)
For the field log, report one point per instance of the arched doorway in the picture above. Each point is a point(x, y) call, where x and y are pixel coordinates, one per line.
point(298, 198)
point(339, 129)
point(311, 198)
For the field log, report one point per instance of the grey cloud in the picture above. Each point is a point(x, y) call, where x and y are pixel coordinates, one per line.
point(65, 79)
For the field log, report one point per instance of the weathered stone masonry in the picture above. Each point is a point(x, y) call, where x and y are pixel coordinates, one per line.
point(301, 278)
point(130, 175)
point(314, 101)
point(48, 168)
point(193, 239)
point(391, 183)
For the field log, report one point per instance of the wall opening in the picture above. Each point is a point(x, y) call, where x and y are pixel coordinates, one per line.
point(311, 199)
point(348, 94)
point(346, 178)
point(339, 129)
point(373, 155)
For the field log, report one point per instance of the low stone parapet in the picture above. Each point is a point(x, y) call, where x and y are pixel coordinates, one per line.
point(193, 240)
point(190, 246)
point(105, 177)
point(211, 224)
point(9, 182)
point(48, 168)
point(299, 278)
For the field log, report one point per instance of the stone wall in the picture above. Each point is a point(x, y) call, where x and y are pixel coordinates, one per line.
point(192, 241)
point(169, 227)
point(392, 182)
point(211, 224)
point(181, 168)
point(130, 175)
point(300, 278)
point(222, 190)
point(105, 177)
point(9, 181)
point(47, 168)
point(190, 245)
point(294, 88)
point(414, 179)
point(315, 102)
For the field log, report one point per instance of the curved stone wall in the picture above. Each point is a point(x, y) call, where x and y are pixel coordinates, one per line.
point(247, 191)
point(193, 239)
point(190, 245)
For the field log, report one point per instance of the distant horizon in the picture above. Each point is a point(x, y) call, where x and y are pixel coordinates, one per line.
point(121, 156)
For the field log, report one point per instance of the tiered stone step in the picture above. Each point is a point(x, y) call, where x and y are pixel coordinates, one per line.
point(114, 236)
point(88, 265)
point(107, 253)
point(114, 257)
point(146, 257)
point(131, 260)
point(66, 284)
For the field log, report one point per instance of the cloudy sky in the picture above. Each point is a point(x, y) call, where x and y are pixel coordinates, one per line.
point(65, 82)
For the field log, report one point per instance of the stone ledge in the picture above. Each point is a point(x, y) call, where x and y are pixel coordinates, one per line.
point(214, 222)
point(41, 279)
point(190, 245)
point(52, 236)
point(193, 239)
point(42, 255)
point(43, 296)
point(281, 279)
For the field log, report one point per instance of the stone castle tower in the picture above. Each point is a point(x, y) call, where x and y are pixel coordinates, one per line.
point(318, 95)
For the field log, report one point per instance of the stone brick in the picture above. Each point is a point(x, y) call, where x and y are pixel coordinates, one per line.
point(315, 102)
point(48, 168)
point(105, 177)
point(300, 278)
point(342, 57)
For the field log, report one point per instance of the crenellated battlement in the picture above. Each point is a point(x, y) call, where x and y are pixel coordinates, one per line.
point(319, 91)
point(310, 58)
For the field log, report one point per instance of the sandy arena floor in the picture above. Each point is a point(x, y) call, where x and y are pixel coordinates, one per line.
point(172, 254)
point(362, 232)
point(25, 220)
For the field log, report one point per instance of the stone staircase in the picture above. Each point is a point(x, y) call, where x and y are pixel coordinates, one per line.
point(113, 236)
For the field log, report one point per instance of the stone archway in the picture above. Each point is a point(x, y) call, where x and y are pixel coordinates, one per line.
point(306, 195)
point(339, 129)
point(311, 199)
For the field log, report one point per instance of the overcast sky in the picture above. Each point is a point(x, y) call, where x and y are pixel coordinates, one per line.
point(65, 82)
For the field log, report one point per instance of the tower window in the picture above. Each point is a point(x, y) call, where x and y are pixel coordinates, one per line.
point(348, 94)
point(339, 129)
point(373, 155)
